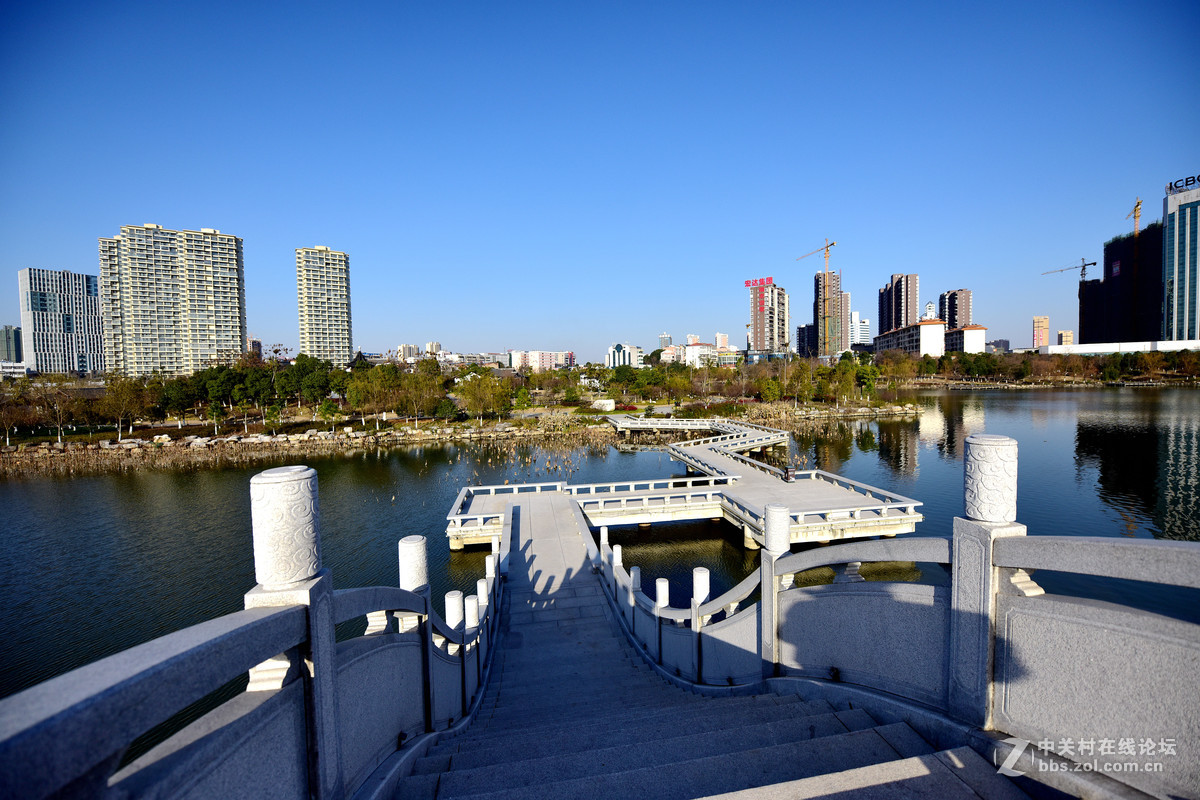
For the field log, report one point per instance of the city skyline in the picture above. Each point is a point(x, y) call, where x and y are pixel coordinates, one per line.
point(538, 161)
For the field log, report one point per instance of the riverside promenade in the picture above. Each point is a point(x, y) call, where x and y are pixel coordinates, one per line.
point(560, 676)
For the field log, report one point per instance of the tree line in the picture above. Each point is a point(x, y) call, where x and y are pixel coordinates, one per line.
point(270, 392)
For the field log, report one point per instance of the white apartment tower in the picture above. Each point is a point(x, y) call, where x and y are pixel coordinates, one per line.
point(323, 288)
point(171, 301)
point(60, 321)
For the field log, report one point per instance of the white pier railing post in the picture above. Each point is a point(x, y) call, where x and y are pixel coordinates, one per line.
point(990, 494)
point(285, 516)
point(700, 594)
point(777, 541)
point(662, 599)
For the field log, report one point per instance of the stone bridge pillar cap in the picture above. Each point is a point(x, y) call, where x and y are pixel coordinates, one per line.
point(282, 474)
point(990, 438)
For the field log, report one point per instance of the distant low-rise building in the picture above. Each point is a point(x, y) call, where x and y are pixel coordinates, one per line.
point(925, 338)
point(967, 339)
point(999, 346)
point(541, 360)
point(624, 355)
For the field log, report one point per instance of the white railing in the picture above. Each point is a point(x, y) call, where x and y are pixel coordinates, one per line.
point(989, 649)
point(412, 672)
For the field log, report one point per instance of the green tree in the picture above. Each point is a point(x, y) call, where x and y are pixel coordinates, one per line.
point(271, 417)
point(866, 376)
point(14, 406)
point(315, 386)
point(177, 398)
point(769, 390)
point(216, 414)
point(53, 396)
point(329, 412)
point(482, 394)
point(124, 399)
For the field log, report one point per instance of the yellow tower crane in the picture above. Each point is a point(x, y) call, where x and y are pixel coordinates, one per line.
point(1137, 216)
point(823, 347)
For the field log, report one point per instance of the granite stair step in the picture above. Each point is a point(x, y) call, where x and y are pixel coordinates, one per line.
point(596, 692)
point(727, 733)
point(681, 779)
point(681, 716)
point(957, 774)
point(595, 709)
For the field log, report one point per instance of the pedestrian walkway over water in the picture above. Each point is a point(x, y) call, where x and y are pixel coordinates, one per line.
point(730, 485)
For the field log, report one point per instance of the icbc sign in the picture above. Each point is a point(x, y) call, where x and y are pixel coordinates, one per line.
point(1181, 185)
point(760, 282)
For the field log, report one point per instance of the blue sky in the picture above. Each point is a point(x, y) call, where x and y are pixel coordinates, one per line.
point(564, 175)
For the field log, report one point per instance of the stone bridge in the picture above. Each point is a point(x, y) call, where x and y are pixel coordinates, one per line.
point(560, 676)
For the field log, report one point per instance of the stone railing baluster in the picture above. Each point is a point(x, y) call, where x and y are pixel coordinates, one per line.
point(285, 515)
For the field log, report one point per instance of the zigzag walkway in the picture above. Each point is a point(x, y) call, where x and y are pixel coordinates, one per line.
point(572, 711)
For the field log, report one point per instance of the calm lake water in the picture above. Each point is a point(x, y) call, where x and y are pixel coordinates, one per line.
point(94, 565)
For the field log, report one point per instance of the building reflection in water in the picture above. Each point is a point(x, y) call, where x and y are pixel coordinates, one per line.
point(943, 424)
point(1146, 452)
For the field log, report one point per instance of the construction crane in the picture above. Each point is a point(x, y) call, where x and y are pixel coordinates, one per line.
point(823, 347)
point(1083, 265)
point(1137, 216)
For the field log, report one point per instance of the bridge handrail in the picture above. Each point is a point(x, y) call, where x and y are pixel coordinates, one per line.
point(90, 715)
point(856, 486)
point(516, 488)
point(643, 500)
point(736, 594)
point(651, 485)
point(929, 549)
point(1151, 560)
point(353, 603)
point(768, 468)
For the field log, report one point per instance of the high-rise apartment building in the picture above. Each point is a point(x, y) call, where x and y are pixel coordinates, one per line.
point(323, 290)
point(171, 301)
point(60, 321)
point(955, 308)
point(1181, 268)
point(831, 314)
point(1041, 331)
point(1066, 337)
point(768, 316)
point(664, 341)
point(433, 347)
point(860, 329)
point(898, 304)
point(10, 345)
point(721, 340)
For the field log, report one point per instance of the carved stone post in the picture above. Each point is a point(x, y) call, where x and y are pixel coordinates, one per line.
point(990, 494)
point(285, 516)
point(777, 541)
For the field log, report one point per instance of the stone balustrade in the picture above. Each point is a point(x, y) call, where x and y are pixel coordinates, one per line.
point(319, 717)
point(990, 652)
